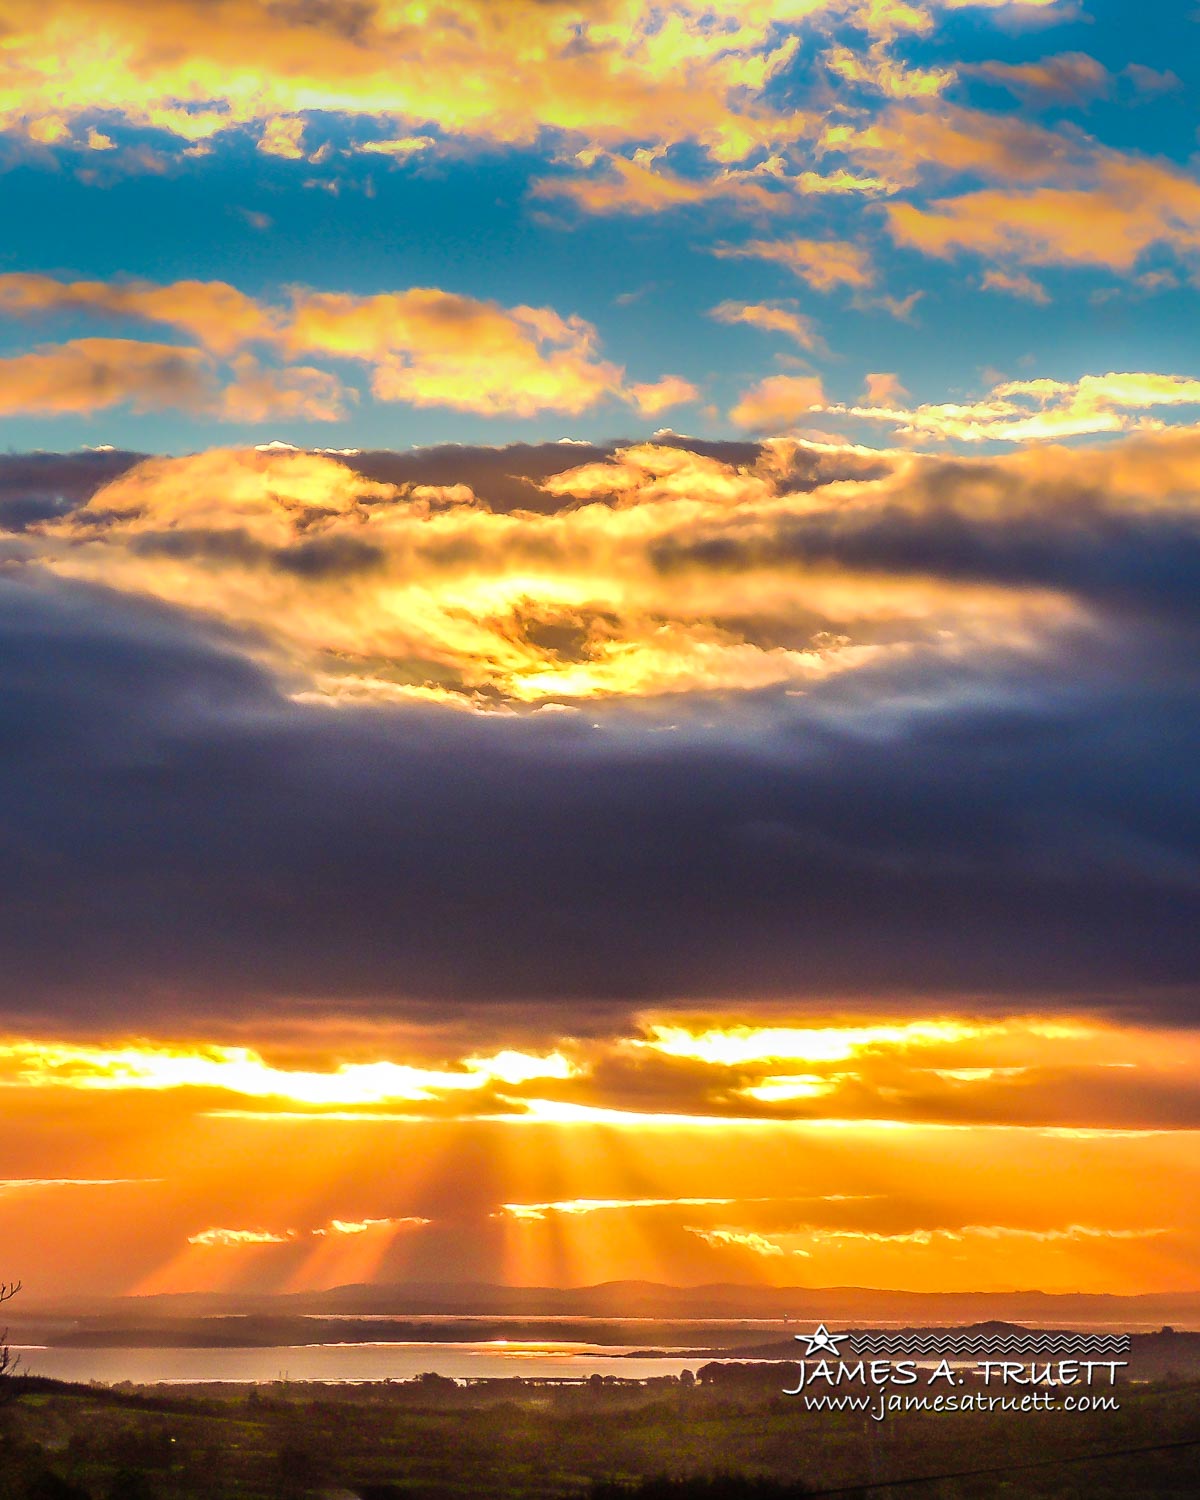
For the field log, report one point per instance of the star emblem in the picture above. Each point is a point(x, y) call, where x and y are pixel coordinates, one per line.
point(822, 1341)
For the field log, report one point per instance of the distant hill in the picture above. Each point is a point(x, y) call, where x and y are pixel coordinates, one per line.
point(412, 1310)
point(616, 1299)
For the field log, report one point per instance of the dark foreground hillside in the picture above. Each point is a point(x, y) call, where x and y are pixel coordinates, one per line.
point(432, 1440)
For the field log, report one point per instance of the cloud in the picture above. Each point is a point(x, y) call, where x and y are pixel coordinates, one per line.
point(772, 317)
point(243, 1073)
point(400, 148)
point(213, 313)
point(19, 1184)
point(779, 403)
point(614, 70)
point(635, 111)
point(299, 393)
point(579, 1207)
point(906, 145)
point(823, 264)
point(434, 348)
point(37, 486)
point(1071, 1234)
point(284, 136)
point(880, 72)
point(883, 388)
point(364, 1226)
point(1054, 1073)
point(423, 593)
point(88, 375)
point(1148, 82)
point(880, 724)
point(1037, 410)
point(423, 346)
point(637, 186)
point(227, 1238)
point(661, 395)
point(1016, 284)
point(1122, 208)
point(1066, 78)
point(741, 1239)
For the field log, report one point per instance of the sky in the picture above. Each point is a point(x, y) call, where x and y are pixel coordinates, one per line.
point(598, 643)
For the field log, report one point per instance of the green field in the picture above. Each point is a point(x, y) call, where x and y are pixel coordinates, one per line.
point(508, 1439)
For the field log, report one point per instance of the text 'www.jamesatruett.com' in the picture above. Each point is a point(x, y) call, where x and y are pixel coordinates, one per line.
point(880, 1386)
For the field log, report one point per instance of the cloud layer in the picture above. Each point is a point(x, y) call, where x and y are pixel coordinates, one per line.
point(812, 722)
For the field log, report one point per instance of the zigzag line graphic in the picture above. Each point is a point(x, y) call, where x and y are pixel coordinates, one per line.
point(991, 1344)
point(993, 1341)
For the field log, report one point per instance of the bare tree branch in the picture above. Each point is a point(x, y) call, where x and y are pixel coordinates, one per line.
point(8, 1360)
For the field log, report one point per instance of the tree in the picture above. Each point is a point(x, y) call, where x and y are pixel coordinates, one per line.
point(8, 1360)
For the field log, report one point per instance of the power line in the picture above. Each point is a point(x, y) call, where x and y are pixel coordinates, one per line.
point(1040, 1463)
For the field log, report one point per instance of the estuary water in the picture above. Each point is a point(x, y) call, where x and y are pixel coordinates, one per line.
point(541, 1360)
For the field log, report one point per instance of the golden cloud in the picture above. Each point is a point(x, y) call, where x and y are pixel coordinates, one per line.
point(1039, 410)
point(92, 374)
point(637, 186)
point(424, 346)
point(1070, 1077)
point(878, 70)
point(214, 313)
point(1121, 208)
point(741, 1239)
point(656, 571)
point(224, 1238)
point(613, 70)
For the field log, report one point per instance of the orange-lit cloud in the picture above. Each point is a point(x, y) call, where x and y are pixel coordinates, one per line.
point(213, 313)
point(1065, 77)
point(242, 1072)
point(577, 1206)
point(1120, 208)
point(239, 1239)
point(779, 403)
point(948, 1072)
point(423, 346)
point(427, 592)
point(613, 70)
point(434, 348)
point(88, 375)
point(908, 144)
point(636, 1163)
point(823, 264)
point(1016, 284)
point(794, 1242)
point(637, 185)
point(20, 1184)
point(883, 388)
point(224, 1238)
point(363, 1226)
point(772, 317)
point(656, 571)
point(878, 70)
point(742, 1239)
point(299, 393)
point(661, 395)
point(1038, 410)
point(399, 149)
point(744, 1044)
